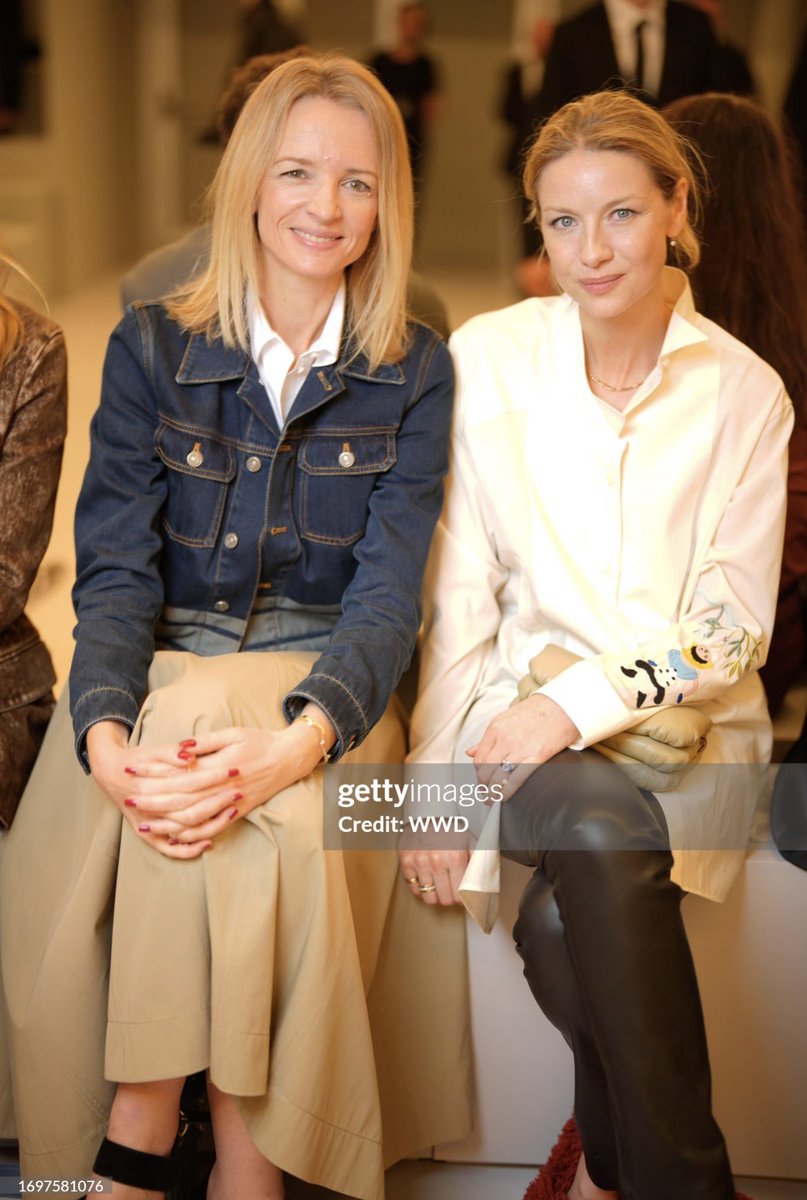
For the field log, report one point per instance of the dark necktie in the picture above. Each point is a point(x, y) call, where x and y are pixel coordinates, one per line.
point(639, 72)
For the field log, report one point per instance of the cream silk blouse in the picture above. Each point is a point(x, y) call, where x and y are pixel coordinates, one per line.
point(649, 544)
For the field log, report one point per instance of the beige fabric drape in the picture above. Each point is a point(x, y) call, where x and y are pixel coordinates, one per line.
point(309, 981)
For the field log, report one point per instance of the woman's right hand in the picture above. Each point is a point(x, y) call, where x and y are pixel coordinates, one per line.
point(127, 773)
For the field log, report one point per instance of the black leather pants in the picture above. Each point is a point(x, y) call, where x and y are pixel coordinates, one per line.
point(606, 956)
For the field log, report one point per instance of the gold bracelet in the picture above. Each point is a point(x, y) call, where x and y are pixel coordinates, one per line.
point(319, 730)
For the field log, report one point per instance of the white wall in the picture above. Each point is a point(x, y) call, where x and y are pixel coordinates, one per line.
point(76, 181)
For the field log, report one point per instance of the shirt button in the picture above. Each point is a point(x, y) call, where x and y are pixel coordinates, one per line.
point(347, 458)
point(222, 606)
point(195, 458)
point(253, 463)
point(610, 479)
point(231, 541)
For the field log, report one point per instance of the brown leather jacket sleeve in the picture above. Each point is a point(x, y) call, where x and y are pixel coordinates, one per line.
point(33, 416)
point(33, 403)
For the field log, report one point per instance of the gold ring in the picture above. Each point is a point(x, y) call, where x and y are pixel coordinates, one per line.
point(427, 887)
point(414, 879)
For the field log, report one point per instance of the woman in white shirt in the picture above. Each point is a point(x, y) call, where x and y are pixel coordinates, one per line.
point(617, 490)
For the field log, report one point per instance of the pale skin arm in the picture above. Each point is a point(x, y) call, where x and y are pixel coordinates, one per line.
point(179, 797)
point(528, 735)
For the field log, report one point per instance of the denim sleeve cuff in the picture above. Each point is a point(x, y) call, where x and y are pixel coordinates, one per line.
point(101, 704)
point(339, 705)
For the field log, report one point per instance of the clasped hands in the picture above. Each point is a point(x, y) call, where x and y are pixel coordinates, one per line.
point(181, 796)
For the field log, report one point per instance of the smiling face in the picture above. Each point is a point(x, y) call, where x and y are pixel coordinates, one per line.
point(318, 203)
point(605, 224)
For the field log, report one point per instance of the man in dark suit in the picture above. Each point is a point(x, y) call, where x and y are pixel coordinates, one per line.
point(661, 50)
point(658, 50)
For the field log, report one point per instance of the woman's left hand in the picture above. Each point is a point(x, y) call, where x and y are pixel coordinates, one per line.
point(229, 772)
point(526, 736)
point(433, 875)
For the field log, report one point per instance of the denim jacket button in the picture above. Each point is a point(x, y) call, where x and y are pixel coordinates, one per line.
point(195, 458)
point(347, 458)
point(231, 541)
point(222, 606)
point(253, 463)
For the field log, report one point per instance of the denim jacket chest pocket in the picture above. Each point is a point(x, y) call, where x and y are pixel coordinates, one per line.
point(338, 469)
point(199, 470)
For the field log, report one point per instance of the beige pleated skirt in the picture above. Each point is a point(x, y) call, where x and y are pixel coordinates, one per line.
point(310, 982)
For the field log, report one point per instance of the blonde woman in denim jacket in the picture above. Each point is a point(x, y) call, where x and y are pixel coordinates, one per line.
point(265, 474)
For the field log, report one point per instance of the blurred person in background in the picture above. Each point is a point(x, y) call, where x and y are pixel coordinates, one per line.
point(411, 77)
point(732, 72)
point(264, 30)
point(521, 101)
point(752, 280)
point(796, 112)
point(660, 49)
point(12, 56)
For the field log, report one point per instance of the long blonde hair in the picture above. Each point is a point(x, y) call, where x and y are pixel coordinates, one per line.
point(611, 120)
point(215, 302)
point(10, 321)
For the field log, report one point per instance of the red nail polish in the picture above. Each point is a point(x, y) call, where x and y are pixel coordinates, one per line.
point(130, 770)
point(144, 829)
point(184, 754)
point(232, 814)
point(233, 771)
point(235, 797)
point(188, 742)
point(130, 803)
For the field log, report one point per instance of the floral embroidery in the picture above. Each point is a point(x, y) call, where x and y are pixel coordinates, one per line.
point(718, 643)
point(735, 641)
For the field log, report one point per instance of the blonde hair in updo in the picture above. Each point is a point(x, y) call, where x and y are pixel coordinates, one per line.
point(618, 121)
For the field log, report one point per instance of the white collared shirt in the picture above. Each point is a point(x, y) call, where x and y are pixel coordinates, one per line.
point(625, 540)
point(623, 17)
point(279, 373)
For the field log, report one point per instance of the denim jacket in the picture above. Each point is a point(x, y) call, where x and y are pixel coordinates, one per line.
point(193, 497)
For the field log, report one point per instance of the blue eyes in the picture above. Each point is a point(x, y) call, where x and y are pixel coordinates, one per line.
point(357, 185)
point(567, 222)
point(352, 184)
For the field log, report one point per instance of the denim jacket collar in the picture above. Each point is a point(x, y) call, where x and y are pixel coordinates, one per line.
point(212, 362)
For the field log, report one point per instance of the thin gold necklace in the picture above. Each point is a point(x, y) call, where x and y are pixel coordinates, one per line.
point(628, 387)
